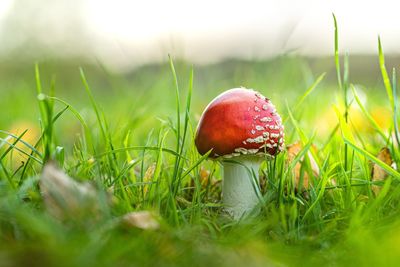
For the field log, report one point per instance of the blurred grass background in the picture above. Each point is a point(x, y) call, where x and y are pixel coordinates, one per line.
point(145, 94)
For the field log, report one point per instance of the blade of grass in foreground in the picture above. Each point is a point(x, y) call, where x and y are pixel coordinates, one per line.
point(194, 165)
point(395, 108)
point(46, 114)
point(13, 146)
point(178, 125)
point(86, 129)
point(374, 159)
point(140, 148)
point(385, 76)
point(93, 102)
point(174, 182)
point(309, 91)
point(185, 128)
point(337, 60)
point(32, 148)
point(112, 159)
point(369, 117)
point(25, 167)
point(343, 86)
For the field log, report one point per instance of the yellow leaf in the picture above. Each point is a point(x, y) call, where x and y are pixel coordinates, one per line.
point(379, 174)
point(293, 150)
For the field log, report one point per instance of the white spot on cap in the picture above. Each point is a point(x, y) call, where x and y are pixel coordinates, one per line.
point(258, 139)
point(253, 131)
point(274, 127)
point(252, 151)
point(266, 119)
point(274, 135)
point(265, 107)
point(241, 150)
point(257, 109)
point(259, 128)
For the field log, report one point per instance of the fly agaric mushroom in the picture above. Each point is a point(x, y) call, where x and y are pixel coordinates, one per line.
point(243, 126)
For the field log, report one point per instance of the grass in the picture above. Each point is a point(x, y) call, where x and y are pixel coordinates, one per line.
point(134, 141)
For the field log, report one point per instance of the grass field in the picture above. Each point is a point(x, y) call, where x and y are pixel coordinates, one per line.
point(132, 137)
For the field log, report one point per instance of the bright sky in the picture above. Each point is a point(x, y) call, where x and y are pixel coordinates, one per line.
point(127, 33)
point(4, 7)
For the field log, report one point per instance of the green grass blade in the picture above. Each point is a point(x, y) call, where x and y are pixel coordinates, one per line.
point(86, 128)
point(32, 148)
point(337, 60)
point(385, 76)
point(366, 114)
point(139, 148)
point(388, 169)
point(94, 104)
point(309, 91)
point(13, 146)
point(194, 165)
point(395, 108)
point(175, 175)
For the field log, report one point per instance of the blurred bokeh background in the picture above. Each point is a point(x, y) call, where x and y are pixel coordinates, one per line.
point(125, 34)
point(277, 47)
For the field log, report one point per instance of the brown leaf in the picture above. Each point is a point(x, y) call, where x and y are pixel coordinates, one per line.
point(204, 176)
point(66, 198)
point(378, 174)
point(145, 220)
point(207, 182)
point(148, 176)
point(293, 150)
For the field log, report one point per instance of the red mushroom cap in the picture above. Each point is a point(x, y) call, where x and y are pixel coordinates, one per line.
point(240, 121)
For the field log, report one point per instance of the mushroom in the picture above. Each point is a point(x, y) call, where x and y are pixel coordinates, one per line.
point(241, 128)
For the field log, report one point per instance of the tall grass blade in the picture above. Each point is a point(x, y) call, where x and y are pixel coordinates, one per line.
point(374, 159)
point(337, 60)
point(385, 76)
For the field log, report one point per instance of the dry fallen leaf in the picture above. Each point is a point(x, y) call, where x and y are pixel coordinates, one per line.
point(66, 198)
point(293, 150)
point(378, 174)
point(145, 220)
point(148, 176)
point(204, 176)
point(208, 182)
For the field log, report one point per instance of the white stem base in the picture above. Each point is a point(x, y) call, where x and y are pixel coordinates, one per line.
point(240, 189)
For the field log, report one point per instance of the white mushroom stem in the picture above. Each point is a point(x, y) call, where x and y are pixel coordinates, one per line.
point(240, 186)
